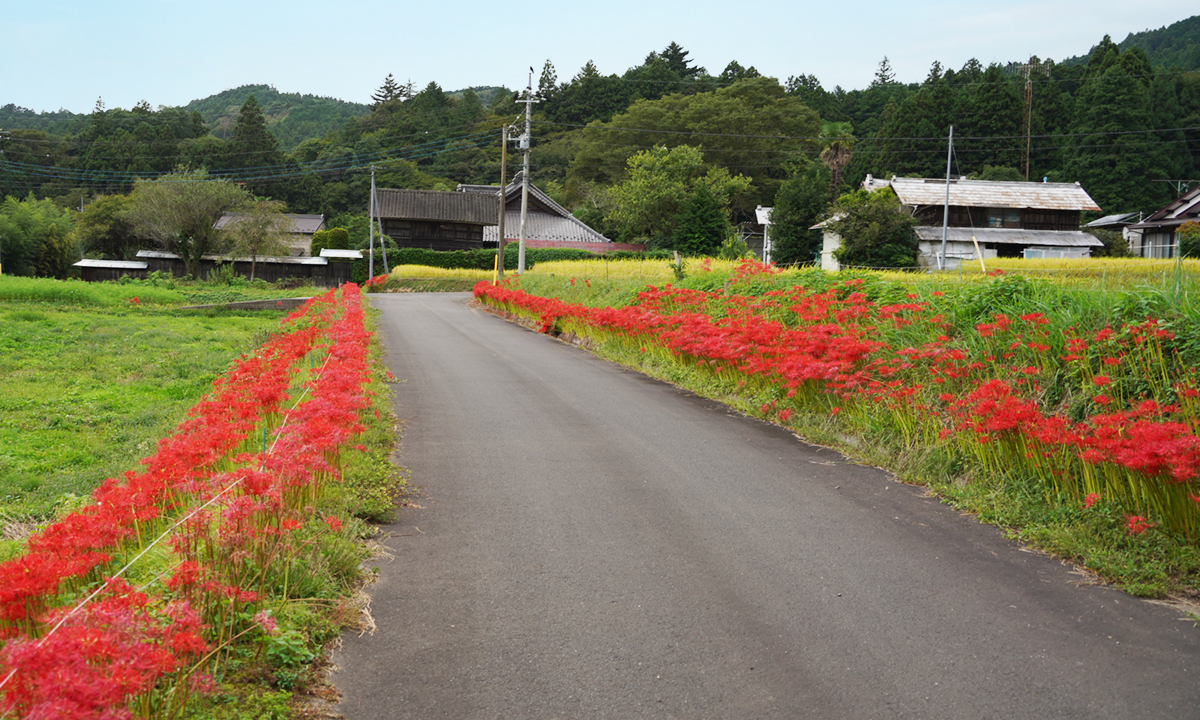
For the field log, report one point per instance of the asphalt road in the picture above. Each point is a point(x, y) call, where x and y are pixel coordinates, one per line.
point(596, 544)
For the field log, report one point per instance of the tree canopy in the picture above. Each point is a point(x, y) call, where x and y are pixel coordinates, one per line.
point(179, 211)
point(875, 230)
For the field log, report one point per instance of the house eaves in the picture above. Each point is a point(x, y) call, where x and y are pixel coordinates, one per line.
point(993, 194)
point(1010, 236)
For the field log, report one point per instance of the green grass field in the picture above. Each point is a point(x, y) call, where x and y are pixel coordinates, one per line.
point(86, 390)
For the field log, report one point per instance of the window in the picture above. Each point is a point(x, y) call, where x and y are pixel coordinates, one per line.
point(1004, 217)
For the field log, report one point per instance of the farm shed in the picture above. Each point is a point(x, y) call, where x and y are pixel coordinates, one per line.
point(316, 270)
point(101, 270)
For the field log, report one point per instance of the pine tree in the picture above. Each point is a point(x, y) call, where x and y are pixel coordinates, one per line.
point(548, 82)
point(884, 75)
point(390, 90)
point(1113, 157)
point(252, 144)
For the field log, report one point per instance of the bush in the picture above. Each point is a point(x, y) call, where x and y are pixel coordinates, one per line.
point(334, 239)
point(1189, 239)
point(875, 230)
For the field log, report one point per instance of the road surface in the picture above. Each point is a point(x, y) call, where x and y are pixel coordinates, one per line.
point(592, 543)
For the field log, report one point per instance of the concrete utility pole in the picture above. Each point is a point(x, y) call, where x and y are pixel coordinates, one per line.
point(371, 223)
point(946, 210)
point(529, 101)
point(503, 198)
point(374, 217)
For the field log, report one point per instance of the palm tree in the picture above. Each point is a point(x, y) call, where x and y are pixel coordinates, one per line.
point(837, 143)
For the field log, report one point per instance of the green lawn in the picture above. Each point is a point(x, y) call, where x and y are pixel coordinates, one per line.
point(87, 392)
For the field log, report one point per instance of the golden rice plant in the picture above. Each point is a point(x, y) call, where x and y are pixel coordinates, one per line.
point(650, 271)
point(404, 272)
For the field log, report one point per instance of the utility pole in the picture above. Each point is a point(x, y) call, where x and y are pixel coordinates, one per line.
point(1027, 70)
point(3, 136)
point(376, 218)
point(371, 224)
point(503, 199)
point(946, 209)
point(529, 101)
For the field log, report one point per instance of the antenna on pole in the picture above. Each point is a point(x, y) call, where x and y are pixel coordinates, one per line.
point(529, 101)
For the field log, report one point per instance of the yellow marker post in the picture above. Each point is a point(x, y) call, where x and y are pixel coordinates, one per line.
point(979, 254)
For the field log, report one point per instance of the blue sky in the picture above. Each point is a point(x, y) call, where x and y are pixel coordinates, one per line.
point(168, 52)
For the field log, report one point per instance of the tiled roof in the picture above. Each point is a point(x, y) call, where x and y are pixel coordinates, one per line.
point(1178, 211)
point(991, 193)
point(438, 206)
point(558, 224)
point(1010, 236)
point(301, 224)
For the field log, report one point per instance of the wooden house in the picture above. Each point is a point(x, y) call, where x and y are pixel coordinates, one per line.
point(1158, 235)
point(547, 224)
point(300, 229)
point(988, 219)
point(437, 220)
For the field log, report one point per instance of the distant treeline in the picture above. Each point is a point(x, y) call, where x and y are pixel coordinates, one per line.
point(1119, 123)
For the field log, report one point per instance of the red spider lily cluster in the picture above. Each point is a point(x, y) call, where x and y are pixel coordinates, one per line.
point(224, 494)
point(983, 388)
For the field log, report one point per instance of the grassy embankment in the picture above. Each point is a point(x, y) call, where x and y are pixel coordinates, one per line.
point(1064, 301)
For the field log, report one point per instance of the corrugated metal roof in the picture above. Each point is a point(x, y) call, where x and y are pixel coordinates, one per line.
point(438, 206)
point(1010, 236)
point(291, 260)
point(112, 264)
point(991, 193)
point(335, 253)
point(1120, 219)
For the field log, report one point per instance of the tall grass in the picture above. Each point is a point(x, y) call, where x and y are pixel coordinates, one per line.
point(81, 294)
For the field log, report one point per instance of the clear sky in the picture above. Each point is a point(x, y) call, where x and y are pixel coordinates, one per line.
point(168, 52)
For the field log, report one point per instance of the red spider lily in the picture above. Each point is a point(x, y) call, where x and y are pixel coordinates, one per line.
point(1136, 524)
point(835, 342)
point(107, 650)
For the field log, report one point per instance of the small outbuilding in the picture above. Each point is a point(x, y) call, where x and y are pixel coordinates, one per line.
point(102, 270)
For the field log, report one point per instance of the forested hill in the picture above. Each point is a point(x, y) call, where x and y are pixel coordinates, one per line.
point(62, 122)
point(1174, 46)
point(291, 117)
